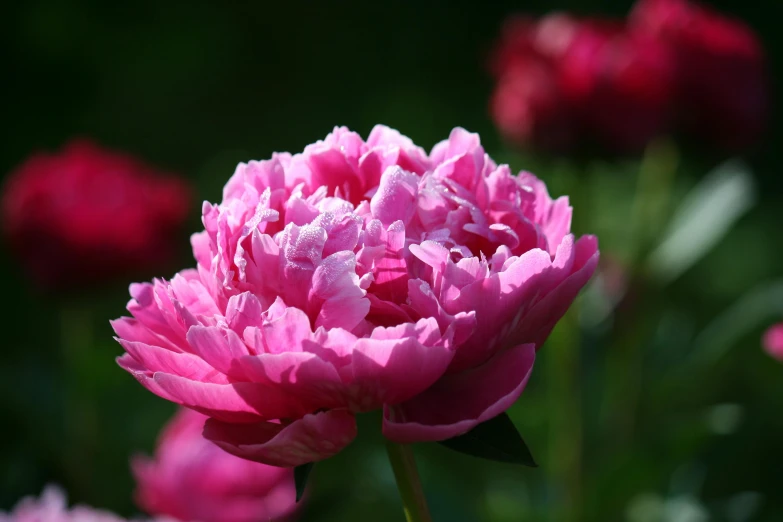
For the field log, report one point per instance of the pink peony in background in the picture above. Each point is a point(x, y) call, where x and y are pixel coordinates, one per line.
point(773, 341)
point(51, 506)
point(190, 478)
point(353, 276)
point(85, 214)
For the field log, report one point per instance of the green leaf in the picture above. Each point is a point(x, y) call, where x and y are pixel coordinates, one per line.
point(301, 473)
point(496, 439)
point(704, 217)
point(759, 306)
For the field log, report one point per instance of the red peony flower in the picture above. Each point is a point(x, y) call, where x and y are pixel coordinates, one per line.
point(86, 214)
point(562, 81)
point(721, 68)
point(527, 105)
point(620, 84)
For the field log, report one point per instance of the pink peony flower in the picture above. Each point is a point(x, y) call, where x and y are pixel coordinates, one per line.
point(98, 213)
point(52, 507)
point(721, 69)
point(353, 276)
point(773, 341)
point(191, 479)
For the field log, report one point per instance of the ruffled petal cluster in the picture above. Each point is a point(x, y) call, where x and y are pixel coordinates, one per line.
point(357, 275)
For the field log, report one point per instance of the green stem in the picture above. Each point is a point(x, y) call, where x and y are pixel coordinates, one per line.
point(632, 325)
point(649, 213)
point(565, 417)
point(408, 482)
point(76, 337)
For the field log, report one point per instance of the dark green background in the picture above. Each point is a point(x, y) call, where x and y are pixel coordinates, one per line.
point(196, 87)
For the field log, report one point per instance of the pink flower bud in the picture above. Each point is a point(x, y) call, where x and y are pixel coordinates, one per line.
point(190, 478)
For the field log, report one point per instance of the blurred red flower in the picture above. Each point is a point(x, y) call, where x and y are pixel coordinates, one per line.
point(721, 70)
point(528, 107)
point(86, 214)
point(620, 84)
point(527, 104)
point(564, 82)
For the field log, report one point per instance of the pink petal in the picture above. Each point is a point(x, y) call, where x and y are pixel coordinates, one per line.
point(496, 301)
point(558, 223)
point(431, 253)
point(346, 313)
point(773, 341)
point(459, 402)
point(302, 375)
point(391, 272)
point(331, 169)
point(287, 332)
point(262, 270)
point(144, 376)
point(334, 346)
point(236, 402)
point(465, 168)
point(336, 285)
point(243, 310)
point(395, 199)
point(302, 253)
point(191, 294)
point(408, 155)
point(156, 359)
point(156, 312)
point(539, 321)
point(133, 330)
point(219, 347)
point(312, 438)
point(396, 363)
point(343, 231)
point(459, 142)
point(202, 249)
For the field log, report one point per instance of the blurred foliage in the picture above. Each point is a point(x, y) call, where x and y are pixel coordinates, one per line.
point(625, 420)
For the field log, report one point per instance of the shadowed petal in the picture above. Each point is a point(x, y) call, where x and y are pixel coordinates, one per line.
point(144, 376)
point(457, 403)
point(236, 402)
point(396, 363)
point(312, 438)
point(155, 359)
point(219, 347)
point(539, 321)
point(303, 375)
